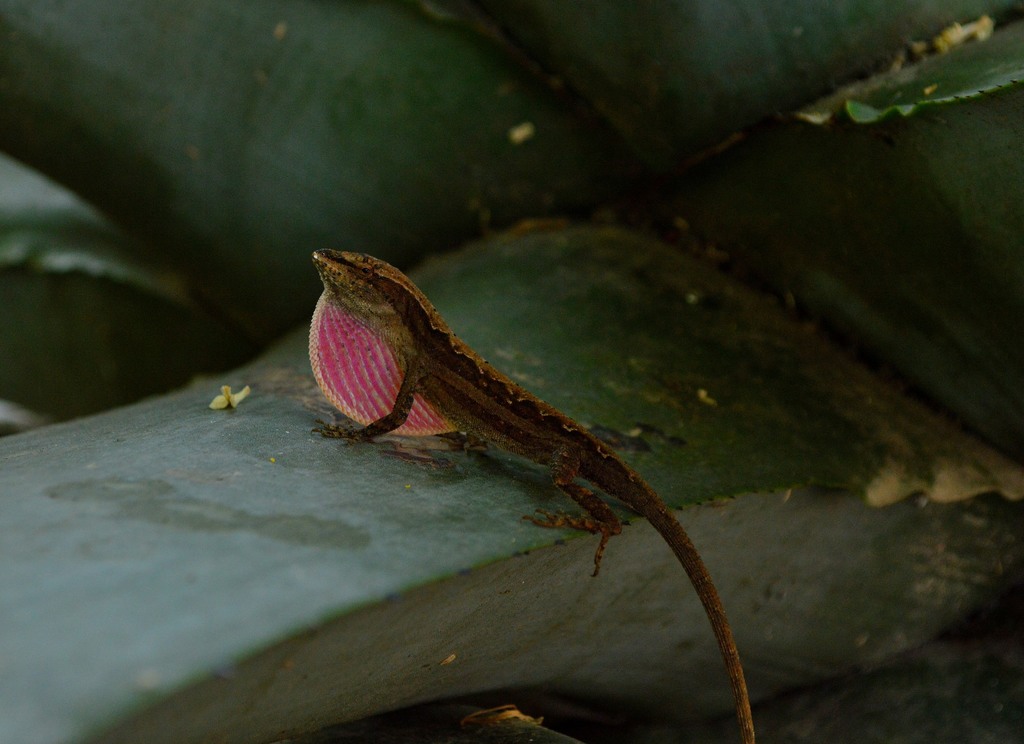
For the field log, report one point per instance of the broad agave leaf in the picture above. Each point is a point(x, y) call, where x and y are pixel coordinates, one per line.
point(966, 686)
point(677, 77)
point(176, 573)
point(86, 325)
point(897, 219)
point(236, 137)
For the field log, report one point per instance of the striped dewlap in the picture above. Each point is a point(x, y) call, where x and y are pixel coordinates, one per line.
point(358, 373)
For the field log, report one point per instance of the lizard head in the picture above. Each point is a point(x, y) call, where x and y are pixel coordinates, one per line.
point(364, 339)
point(363, 285)
point(375, 294)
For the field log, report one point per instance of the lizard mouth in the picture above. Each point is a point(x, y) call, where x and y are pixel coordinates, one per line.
point(326, 263)
point(326, 259)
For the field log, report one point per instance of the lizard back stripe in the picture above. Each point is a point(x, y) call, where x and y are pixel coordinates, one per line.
point(358, 373)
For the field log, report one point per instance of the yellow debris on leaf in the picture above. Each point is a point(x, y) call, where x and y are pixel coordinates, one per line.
point(704, 397)
point(227, 399)
point(955, 35)
point(520, 133)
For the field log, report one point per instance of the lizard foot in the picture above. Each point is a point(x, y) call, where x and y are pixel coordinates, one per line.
point(576, 522)
point(334, 431)
point(561, 519)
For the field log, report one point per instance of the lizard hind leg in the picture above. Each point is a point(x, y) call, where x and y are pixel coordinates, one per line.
point(599, 519)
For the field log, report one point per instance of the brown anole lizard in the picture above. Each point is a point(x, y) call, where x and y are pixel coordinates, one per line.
point(384, 356)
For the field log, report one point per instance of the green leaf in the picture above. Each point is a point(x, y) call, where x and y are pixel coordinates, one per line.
point(975, 69)
point(960, 688)
point(86, 325)
point(805, 415)
point(173, 573)
point(862, 113)
point(238, 137)
point(677, 77)
point(904, 234)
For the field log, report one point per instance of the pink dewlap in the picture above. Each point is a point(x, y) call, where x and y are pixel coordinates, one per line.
point(358, 373)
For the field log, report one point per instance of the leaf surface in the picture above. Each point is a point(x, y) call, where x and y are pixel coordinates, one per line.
point(904, 233)
point(236, 138)
point(174, 573)
point(678, 77)
point(87, 325)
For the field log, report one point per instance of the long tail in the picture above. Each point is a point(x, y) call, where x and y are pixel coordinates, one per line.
point(666, 523)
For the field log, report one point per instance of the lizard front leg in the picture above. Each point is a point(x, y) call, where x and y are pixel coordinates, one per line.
point(601, 520)
point(388, 422)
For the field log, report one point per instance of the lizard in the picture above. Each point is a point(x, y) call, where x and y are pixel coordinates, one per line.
point(382, 354)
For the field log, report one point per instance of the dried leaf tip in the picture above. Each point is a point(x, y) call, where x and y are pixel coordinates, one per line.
point(227, 399)
point(501, 714)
